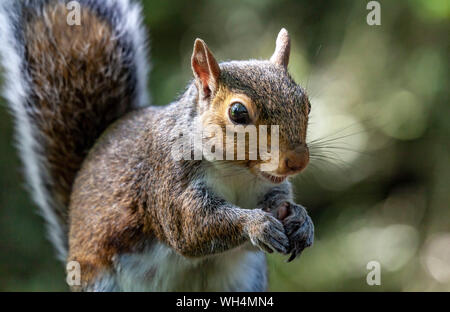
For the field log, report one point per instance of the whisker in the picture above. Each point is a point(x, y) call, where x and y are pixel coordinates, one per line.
point(330, 139)
point(324, 149)
point(331, 135)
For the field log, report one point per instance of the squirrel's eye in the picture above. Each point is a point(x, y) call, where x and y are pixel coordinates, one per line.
point(309, 107)
point(238, 113)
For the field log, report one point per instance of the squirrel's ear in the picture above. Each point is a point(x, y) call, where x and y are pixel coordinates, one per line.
point(282, 49)
point(205, 68)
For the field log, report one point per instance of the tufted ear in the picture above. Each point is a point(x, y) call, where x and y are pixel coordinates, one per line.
point(205, 68)
point(282, 49)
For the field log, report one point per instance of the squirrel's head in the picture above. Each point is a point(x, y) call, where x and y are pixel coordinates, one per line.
point(251, 94)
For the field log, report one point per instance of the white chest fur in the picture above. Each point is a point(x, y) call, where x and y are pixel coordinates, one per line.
point(161, 269)
point(236, 185)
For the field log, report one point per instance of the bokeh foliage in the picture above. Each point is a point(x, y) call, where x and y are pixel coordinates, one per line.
point(377, 187)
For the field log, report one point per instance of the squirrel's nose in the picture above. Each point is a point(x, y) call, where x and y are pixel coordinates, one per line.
point(295, 161)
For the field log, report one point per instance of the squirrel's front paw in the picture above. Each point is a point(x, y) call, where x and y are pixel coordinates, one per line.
point(298, 227)
point(267, 233)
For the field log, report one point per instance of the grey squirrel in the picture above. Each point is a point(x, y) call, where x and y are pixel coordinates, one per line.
point(98, 158)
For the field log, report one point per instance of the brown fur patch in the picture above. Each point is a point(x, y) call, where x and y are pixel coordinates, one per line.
point(79, 87)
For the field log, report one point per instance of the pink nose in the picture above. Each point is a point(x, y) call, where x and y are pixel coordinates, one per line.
point(294, 161)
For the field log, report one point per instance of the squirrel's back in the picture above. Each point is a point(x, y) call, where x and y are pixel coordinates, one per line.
point(65, 83)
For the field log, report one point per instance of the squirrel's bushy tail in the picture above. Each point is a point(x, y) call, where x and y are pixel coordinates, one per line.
point(65, 83)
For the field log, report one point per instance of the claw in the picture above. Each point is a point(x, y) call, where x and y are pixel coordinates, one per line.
point(295, 254)
point(299, 228)
point(292, 257)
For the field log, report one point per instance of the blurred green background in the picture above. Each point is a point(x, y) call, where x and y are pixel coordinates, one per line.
point(378, 185)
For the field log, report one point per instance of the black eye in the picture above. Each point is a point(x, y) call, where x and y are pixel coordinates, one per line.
point(238, 113)
point(309, 107)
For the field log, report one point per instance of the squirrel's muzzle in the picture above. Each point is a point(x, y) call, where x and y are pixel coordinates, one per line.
point(294, 161)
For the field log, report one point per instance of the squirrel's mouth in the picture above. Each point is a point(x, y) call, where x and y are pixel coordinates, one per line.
point(272, 178)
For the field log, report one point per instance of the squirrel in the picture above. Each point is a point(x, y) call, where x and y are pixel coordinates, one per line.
point(97, 155)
